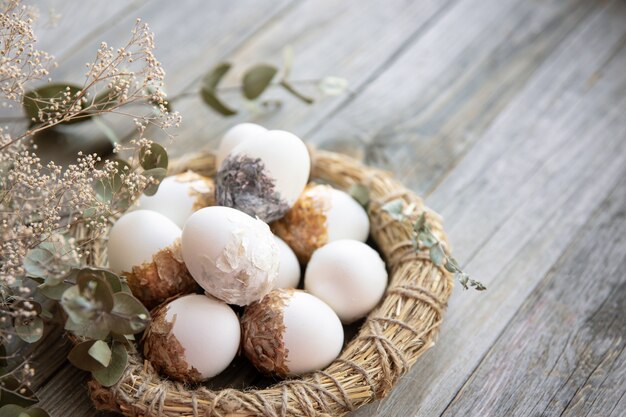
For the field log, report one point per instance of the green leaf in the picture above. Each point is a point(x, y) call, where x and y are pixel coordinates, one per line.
point(107, 188)
point(113, 279)
point(81, 358)
point(111, 374)
point(101, 352)
point(157, 175)
point(333, 86)
point(97, 288)
point(426, 239)
point(29, 330)
point(37, 412)
point(128, 316)
point(210, 99)
point(12, 410)
point(43, 97)
point(9, 394)
point(437, 255)
point(360, 193)
point(36, 261)
point(394, 209)
point(97, 329)
point(420, 223)
point(209, 87)
point(257, 79)
point(53, 292)
point(153, 156)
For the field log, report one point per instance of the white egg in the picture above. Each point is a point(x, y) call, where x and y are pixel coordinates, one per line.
point(264, 177)
point(349, 276)
point(180, 195)
point(291, 332)
point(235, 136)
point(233, 256)
point(137, 236)
point(289, 269)
point(193, 338)
point(322, 214)
point(346, 218)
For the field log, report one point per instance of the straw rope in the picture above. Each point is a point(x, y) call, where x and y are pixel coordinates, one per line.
point(394, 335)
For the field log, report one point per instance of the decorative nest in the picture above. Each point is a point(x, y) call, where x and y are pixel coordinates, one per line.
point(389, 341)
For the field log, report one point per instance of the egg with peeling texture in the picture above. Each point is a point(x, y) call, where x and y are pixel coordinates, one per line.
point(235, 136)
point(322, 214)
point(192, 338)
point(145, 247)
point(289, 269)
point(180, 195)
point(233, 256)
point(349, 276)
point(264, 178)
point(290, 332)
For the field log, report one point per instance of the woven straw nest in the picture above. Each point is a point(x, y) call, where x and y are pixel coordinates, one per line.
point(393, 336)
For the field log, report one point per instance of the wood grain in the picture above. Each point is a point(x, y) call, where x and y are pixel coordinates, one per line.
point(559, 353)
point(509, 115)
point(515, 214)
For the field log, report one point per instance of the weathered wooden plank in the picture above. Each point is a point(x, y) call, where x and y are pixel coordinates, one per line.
point(535, 177)
point(556, 354)
point(189, 38)
point(63, 26)
point(424, 113)
point(352, 39)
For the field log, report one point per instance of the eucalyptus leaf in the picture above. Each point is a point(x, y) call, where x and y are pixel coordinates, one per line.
point(9, 394)
point(43, 97)
point(101, 352)
point(360, 193)
point(420, 223)
point(12, 410)
point(153, 156)
point(394, 209)
point(29, 330)
point(36, 412)
point(128, 316)
point(107, 188)
point(437, 255)
point(111, 374)
point(113, 279)
point(156, 175)
point(209, 87)
point(97, 288)
point(210, 99)
point(97, 329)
point(36, 261)
point(257, 79)
point(333, 86)
point(53, 292)
point(426, 239)
point(81, 358)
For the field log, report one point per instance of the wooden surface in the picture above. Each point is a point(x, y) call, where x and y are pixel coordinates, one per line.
point(509, 116)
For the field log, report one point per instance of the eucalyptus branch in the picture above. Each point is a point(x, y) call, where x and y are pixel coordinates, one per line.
point(424, 238)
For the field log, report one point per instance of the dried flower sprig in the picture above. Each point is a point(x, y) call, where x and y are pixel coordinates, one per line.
point(424, 238)
point(50, 214)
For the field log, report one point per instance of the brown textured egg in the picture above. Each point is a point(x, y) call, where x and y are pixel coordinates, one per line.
point(322, 214)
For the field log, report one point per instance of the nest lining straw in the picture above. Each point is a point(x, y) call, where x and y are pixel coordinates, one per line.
point(394, 335)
